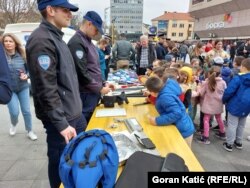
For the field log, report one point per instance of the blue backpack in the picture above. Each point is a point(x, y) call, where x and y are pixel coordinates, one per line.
point(90, 159)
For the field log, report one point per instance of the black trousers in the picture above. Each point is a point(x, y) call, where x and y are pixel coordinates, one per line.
point(141, 71)
point(56, 144)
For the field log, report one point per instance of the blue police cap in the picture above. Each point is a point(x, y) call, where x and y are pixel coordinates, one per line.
point(161, 35)
point(42, 4)
point(95, 19)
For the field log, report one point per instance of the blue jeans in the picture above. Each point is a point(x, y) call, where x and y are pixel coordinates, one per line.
point(23, 98)
point(183, 55)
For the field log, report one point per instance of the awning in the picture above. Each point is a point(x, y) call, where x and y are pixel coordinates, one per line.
point(226, 38)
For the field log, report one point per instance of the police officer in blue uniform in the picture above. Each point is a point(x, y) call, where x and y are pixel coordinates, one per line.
point(86, 60)
point(160, 50)
point(54, 81)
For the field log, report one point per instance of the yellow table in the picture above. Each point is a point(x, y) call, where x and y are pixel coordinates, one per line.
point(166, 138)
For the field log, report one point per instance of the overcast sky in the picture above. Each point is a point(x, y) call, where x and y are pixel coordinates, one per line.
point(152, 8)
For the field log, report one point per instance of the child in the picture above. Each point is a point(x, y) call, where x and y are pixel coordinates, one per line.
point(101, 45)
point(158, 72)
point(149, 71)
point(212, 91)
point(237, 100)
point(157, 63)
point(169, 106)
point(186, 76)
point(237, 64)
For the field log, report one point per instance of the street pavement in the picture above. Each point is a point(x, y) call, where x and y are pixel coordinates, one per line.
point(24, 162)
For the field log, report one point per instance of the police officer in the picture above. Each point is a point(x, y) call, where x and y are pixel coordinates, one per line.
point(160, 50)
point(5, 91)
point(87, 62)
point(54, 81)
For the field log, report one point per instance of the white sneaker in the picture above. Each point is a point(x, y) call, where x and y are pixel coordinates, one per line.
point(32, 135)
point(248, 138)
point(12, 130)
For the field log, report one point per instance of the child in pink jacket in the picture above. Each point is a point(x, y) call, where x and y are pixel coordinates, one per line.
point(211, 92)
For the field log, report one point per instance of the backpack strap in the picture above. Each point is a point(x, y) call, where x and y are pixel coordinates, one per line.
point(88, 150)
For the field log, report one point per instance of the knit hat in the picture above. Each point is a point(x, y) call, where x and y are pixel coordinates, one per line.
point(189, 72)
point(218, 61)
point(226, 71)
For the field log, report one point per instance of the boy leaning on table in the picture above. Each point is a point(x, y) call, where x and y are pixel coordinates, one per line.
point(169, 106)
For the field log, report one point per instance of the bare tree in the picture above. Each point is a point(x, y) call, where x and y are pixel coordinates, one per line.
point(14, 11)
point(76, 19)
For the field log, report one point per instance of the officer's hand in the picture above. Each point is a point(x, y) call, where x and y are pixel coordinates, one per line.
point(68, 133)
point(105, 90)
point(111, 86)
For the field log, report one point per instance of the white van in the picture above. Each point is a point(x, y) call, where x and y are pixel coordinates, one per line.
point(23, 31)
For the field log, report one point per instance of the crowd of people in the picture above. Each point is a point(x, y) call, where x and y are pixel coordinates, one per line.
point(68, 80)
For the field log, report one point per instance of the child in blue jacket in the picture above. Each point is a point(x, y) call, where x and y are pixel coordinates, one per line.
point(169, 106)
point(237, 100)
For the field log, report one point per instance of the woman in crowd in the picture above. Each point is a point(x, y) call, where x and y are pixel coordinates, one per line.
point(19, 84)
point(217, 51)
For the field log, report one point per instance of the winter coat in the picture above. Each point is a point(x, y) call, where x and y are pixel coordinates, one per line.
point(237, 96)
point(172, 110)
point(212, 101)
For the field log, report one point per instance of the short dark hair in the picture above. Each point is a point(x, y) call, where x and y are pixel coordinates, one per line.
point(172, 73)
point(154, 84)
point(44, 13)
point(159, 71)
point(238, 60)
point(246, 63)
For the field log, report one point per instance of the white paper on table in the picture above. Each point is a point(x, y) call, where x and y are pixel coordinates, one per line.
point(111, 112)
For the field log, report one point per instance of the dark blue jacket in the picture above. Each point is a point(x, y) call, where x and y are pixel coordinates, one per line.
point(17, 65)
point(172, 110)
point(5, 91)
point(53, 77)
point(87, 63)
point(160, 51)
point(237, 96)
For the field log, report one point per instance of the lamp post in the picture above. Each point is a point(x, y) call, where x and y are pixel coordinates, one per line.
point(113, 29)
point(105, 17)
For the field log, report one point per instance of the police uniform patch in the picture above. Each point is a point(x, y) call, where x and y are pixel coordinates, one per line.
point(79, 54)
point(44, 61)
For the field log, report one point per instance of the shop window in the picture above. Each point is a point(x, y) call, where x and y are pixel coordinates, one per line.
point(196, 1)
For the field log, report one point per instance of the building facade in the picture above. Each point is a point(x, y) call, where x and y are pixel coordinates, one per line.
point(126, 15)
point(221, 19)
point(177, 26)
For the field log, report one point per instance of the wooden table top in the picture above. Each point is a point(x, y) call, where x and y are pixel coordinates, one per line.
point(166, 138)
